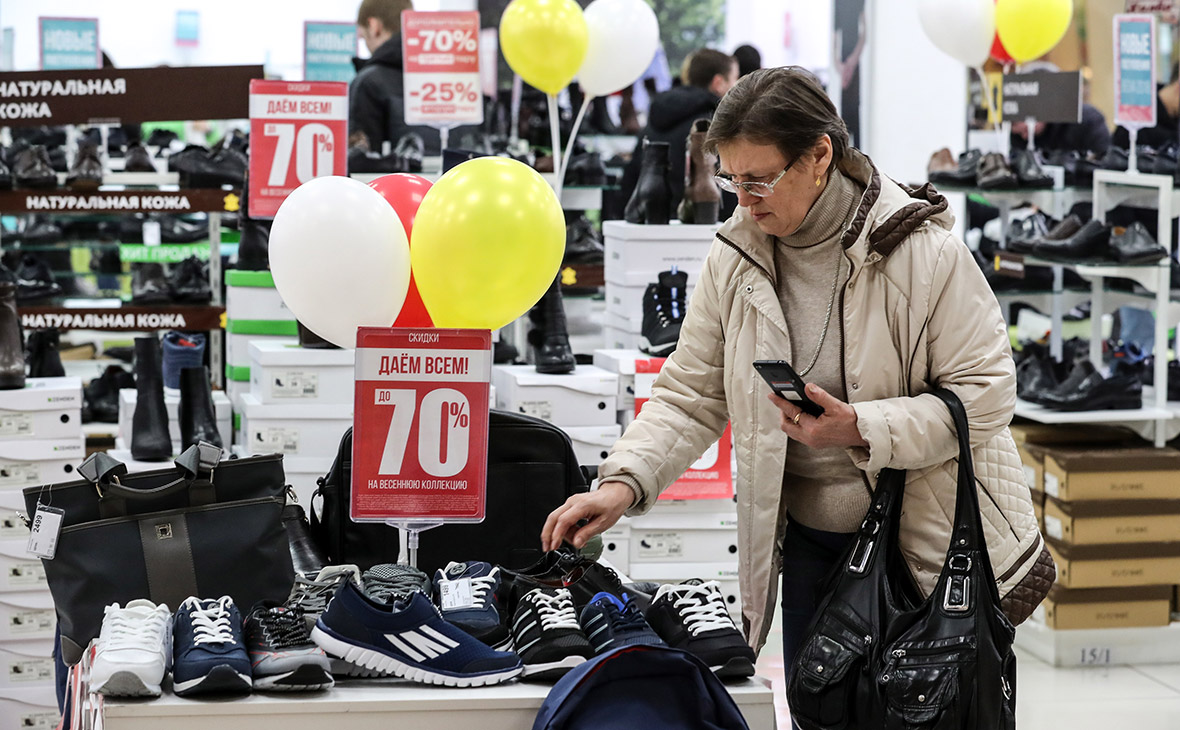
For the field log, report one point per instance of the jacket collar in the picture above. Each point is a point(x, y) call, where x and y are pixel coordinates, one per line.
point(887, 213)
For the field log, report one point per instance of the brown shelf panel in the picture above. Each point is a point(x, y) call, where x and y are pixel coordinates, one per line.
point(128, 318)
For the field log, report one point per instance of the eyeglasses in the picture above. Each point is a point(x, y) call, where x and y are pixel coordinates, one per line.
point(757, 189)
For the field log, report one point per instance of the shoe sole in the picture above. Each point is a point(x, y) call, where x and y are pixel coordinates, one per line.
point(656, 350)
point(1105, 404)
point(735, 668)
point(222, 678)
point(373, 659)
point(341, 668)
point(551, 670)
point(307, 677)
point(127, 684)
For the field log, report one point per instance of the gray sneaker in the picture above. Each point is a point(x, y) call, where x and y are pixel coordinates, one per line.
point(387, 582)
point(312, 594)
point(282, 655)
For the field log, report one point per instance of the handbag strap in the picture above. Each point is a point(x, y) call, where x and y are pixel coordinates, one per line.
point(196, 466)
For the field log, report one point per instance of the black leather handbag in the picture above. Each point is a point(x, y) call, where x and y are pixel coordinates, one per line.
point(878, 656)
point(204, 528)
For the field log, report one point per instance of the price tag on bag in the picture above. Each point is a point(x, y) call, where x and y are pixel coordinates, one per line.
point(298, 131)
point(441, 52)
point(420, 429)
point(45, 530)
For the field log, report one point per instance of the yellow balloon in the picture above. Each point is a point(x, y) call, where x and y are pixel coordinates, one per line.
point(1030, 28)
point(544, 41)
point(487, 242)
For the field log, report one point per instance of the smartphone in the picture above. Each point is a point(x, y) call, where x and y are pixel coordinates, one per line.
point(786, 383)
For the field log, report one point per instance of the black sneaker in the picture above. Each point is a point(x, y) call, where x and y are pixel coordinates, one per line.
point(546, 634)
point(664, 304)
point(610, 624)
point(465, 594)
point(692, 616)
point(282, 655)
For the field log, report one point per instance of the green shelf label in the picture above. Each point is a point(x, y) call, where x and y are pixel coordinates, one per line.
point(169, 253)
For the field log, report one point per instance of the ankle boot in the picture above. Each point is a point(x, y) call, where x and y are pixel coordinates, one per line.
point(181, 350)
point(311, 340)
point(149, 426)
point(198, 421)
point(12, 352)
point(550, 338)
point(651, 203)
point(702, 198)
point(254, 248)
point(44, 359)
point(306, 556)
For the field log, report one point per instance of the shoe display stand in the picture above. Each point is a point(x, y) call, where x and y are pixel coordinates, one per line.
point(1112, 188)
point(1053, 201)
point(40, 442)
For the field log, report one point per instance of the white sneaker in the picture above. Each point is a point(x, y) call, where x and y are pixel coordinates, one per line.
point(134, 650)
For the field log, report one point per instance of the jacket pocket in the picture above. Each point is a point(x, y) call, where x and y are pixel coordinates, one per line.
point(923, 683)
point(824, 679)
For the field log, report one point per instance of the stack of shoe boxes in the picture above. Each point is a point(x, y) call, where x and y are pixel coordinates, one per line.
point(679, 538)
point(299, 405)
point(41, 442)
point(635, 256)
point(254, 311)
point(1111, 518)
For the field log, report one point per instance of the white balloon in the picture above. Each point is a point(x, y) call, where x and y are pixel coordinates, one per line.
point(624, 37)
point(340, 258)
point(962, 29)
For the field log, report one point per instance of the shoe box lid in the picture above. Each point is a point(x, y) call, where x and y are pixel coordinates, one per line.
point(44, 394)
point(267, 327)
point(636, 281)
point(725, 519)
point(632, 324)
point(257, 410)
point(280, 354)
point(673, 572)
point(19, 570)
point(29, 708)
point(222, 407)
point(595, 435)
point(618, 360)
point(71, 449)
point(674, 231)
point(257, 279)
point(1095, 473)
point(586, 379)
point(586, 397)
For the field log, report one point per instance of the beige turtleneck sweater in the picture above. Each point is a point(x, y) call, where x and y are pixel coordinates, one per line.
point(821, 487)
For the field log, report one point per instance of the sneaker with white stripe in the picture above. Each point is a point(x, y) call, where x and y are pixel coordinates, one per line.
point(546, 633)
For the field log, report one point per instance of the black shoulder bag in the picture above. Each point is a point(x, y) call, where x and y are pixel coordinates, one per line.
point(878, 656)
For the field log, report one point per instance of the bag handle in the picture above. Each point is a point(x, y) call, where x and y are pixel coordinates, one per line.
point(196, 465)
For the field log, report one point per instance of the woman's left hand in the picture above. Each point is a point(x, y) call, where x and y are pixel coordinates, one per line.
point(835, 428)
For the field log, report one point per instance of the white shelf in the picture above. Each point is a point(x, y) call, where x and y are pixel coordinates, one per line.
point(1138, 189)
point(1040, 414)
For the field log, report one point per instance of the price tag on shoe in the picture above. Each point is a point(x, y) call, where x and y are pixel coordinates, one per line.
point(420, 425)
point(298, 131)
point(456, 594)
point(441, 52)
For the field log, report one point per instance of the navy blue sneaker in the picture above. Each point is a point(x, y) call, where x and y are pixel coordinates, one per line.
point(208, 652)
point(610, 624)
point(465, 594)
point(409, 639)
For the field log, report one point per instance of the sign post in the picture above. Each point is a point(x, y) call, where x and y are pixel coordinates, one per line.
point(298, 131)
point(441, 60)
point(328, 49)
point(420, 430)
point(1134, 76)
point(68, 43)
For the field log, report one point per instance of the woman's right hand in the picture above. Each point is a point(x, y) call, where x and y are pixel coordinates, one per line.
point(602, 508)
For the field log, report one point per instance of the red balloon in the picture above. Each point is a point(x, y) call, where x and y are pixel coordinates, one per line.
point(999, 53)
point(405, 193)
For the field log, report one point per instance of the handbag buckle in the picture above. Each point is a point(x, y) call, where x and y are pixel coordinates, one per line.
point(959, 568)
point(957, 598)
point(861, 553)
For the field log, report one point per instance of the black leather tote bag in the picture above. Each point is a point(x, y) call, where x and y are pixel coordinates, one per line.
point(204, 528)
point(877, 656)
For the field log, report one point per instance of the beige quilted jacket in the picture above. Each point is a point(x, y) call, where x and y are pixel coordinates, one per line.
point(917, 314)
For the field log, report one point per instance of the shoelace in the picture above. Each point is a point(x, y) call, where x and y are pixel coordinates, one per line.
point(556, 610)
point(628, 619)
point(385, 583)
point(284, 628)
point(129, 629)
point(481, 587)
point(210, 622)
point(702, 609)
point(312, 596)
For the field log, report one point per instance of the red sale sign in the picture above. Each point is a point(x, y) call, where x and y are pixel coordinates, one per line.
point(441, 62)
point(420, 425)
point(711, 476)
point(298, 131)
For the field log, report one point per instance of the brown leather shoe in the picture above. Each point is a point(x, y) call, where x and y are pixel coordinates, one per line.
point(994, 173)
point(941, 161)
point(86, 172)
point(702, 198)
point(138, 159)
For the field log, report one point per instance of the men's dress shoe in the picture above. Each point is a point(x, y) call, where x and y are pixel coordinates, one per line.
point(102, 393)
point(1035, 375)
point(181, 159)
point(586, 169)
point(198, 421)
point(1029, 172)
point(651, 203)
point(225, 166)
point(161, 138)
point(1136, 246)
point(582, 244)
point(86, 172)
point(32, 169)
point(149, 284)
point(409, 150)
point(43, 357)
point(189, 282)
point(940, 161)
point(138, 159)
point(34, 279)
point(149, 424)
point(1118, 392)
point(1165, 162)
point(57, 159)
point(1023, 232)
point(174, 229)
point(12, 353)
point(1082, 369)
point(963, 174)
point(1090, 242)
point(994, 173)
point(549, 337)
point(1068, 226)
point(41, 231)
point(1079, 170)
point(1115, 159)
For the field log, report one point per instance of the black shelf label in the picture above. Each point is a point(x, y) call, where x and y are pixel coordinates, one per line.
point(123, 319)
point(210, 200)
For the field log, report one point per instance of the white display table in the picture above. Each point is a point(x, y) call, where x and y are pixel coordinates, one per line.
point(380, 705)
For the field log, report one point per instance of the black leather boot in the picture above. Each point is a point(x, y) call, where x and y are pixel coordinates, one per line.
point(198, 421)
point(44, 360)
point(149, 426)
point(12, 353)
point(311, 340)
point(254, 248)
point(651, 203)
point(307, 557)
point(550, 339)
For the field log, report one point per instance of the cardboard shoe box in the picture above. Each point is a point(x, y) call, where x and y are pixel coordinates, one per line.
point(1108, 566)
point(1114, 522)
point(240, 333)
point(20, 571)
point(698, 537)
point(251, 295)
point(295, 429)
point(586, 397)
point(26, 664)
point(622, 363)
point(40, 461)
point(1078, 473)
point(29, 708)
point(632, 247)
point(1107, 608)
point(1032, 458)
point(46, 408)
point(593, 443)
point(282, 373)
point(26, 616)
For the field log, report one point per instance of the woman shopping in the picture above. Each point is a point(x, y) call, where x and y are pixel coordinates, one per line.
point(860, 285)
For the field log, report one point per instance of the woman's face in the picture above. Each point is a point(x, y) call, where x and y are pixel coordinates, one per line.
point(783, 211)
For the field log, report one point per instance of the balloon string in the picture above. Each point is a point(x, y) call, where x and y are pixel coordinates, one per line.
point(555, 133)
point(569, 148)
